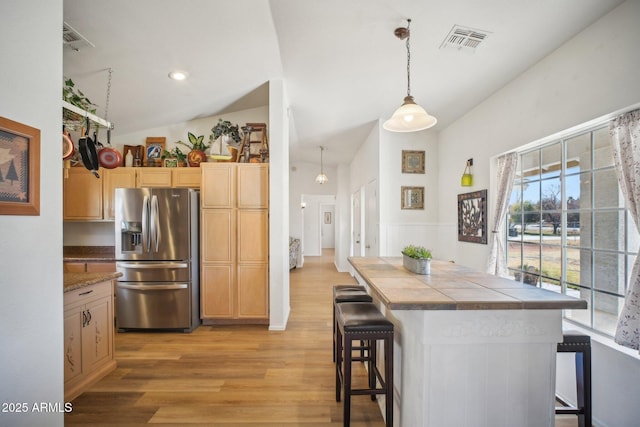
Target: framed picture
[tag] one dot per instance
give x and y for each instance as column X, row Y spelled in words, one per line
column 19, row 168
column 170, row 163
column 154, row 149
column 472, row 217
column 327, row 217
column 412, row 197
column 412, row 161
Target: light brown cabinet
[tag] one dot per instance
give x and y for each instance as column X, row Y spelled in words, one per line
column 234, row 243
column 88, row 337
column 87, row 198
column 89, row 267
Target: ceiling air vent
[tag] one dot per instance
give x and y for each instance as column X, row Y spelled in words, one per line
column 73, row 39
column 464, row 38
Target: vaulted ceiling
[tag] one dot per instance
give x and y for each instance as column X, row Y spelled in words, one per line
column 342, row 66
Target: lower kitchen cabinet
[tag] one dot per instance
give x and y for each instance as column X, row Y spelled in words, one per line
column 88, row 337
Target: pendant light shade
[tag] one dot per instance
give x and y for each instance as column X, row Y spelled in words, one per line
column 410, row 117
column 321, row 178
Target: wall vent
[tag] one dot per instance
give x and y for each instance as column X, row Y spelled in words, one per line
column 464, row 38
column 73, row 39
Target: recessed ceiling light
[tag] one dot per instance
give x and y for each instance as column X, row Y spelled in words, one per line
column 178, row 75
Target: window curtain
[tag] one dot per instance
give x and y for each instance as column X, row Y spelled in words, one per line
column 497, row 262
column 625, row 139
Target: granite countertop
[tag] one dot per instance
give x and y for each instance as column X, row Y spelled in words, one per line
column 453, row 287
column 73, row 281
column 89, row 254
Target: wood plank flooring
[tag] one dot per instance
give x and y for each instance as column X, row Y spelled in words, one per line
column 241, row 376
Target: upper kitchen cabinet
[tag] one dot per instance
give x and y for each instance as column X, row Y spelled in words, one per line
column 82, row 195
column 218, row 189
column 87, row 198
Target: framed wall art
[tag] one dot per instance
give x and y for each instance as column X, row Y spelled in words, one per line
column 412, row 161
column 412, row 197
column 19, row 168
column 154, row 149
column 327, row 217
column 472, row 217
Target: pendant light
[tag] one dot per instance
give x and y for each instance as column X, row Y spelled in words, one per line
column 410, row 117
column 321, row 178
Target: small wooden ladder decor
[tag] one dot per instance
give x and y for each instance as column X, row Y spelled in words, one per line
column 245, row 155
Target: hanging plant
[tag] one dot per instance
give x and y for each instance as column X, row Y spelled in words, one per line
column 75, row 97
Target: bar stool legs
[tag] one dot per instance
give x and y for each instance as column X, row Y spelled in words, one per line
column 362, row 321
column 579, row 344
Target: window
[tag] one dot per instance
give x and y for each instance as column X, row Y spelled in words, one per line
column 568, row 228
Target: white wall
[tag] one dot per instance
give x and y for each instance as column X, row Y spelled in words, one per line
column 31, row 321
column 279, row 306
column 593, row 74
column 400, row 227
column 343, row 219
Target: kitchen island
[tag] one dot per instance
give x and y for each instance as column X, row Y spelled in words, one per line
column 471, row 349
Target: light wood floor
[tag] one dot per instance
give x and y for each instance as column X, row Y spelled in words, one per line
column 237, row 376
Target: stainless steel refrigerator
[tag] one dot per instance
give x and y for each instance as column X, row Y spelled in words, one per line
column 157, row 254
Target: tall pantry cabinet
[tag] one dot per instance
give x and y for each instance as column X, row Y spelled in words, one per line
column 234, row 243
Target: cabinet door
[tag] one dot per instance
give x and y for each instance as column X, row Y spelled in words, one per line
column 97, row 334
column 72, row 342
column 216, row 291
column 217, row 236
column 253, row 241
column 154, row 177
column 82, row 196
column 253, row 185
column 217, row 189
column 112, row 179
column 186, row 177
column 253, row 291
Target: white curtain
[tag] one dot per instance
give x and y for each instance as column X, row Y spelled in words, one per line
column 625, row 139
column 497, row 262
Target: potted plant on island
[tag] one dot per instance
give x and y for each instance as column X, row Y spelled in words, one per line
column 417, row 259
column 226, row 132
column 197, row 154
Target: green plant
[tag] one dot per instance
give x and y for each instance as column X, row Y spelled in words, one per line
column 75, row 97
column 224, row 127
column 175, row 153
column 195, row 142
column 417, row 252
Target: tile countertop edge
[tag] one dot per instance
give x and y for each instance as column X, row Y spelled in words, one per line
column 547, row 300
column 74, row 281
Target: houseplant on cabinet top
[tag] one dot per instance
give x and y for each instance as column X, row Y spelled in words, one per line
column 416, row 259
column 226, row 132
column 197, row 154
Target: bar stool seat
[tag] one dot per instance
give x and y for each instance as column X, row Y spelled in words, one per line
column 580, row 344
column 363, row 321
column 348, row 293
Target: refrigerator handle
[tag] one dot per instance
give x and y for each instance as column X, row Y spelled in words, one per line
column 155, row 223
column 146, row 241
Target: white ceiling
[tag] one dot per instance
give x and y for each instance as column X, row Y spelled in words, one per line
column 342, row 66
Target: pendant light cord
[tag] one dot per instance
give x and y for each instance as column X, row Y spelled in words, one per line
column 408, row 58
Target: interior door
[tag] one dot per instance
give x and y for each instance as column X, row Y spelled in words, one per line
column 371, row 219
column 356, row 231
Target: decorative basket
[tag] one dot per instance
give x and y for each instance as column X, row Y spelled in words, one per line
column 417, row 266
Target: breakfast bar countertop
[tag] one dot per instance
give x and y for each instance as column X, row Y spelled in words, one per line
column 453, row 287
column 73, row 281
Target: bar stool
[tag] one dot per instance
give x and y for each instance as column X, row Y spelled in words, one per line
column 348, row 293
column 363, row 321
column 580, row 344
